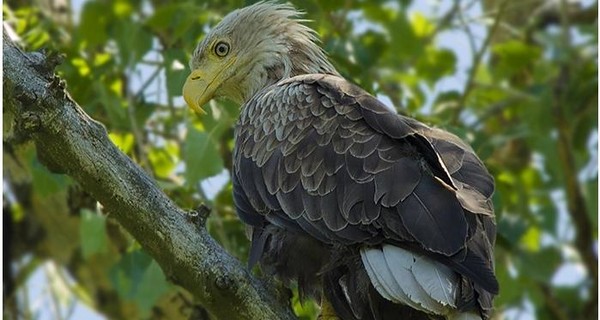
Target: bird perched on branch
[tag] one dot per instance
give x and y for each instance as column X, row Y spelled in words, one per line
column 379, row 215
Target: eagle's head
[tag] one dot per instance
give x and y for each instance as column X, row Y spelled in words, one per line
column 249, row 49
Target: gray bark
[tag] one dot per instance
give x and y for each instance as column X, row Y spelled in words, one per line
column 68, row 141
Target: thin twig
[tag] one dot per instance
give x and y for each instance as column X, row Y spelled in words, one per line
column 476, row 61
column 470, row 36
column 148, row 82
column 445, row 20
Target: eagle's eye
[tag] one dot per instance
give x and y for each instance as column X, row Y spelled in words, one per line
column 221, row 49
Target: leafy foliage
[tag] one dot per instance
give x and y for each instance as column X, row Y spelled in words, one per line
column 525, row 97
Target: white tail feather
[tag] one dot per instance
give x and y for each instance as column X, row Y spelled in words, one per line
column 437, row 280
column 404, row 277
column 381, row 277
column 401, row 262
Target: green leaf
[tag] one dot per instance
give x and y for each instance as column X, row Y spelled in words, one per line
column 174, row 19
column 404, row 42
column 531, row 239
column 511, row 288
column 152, row 286
column 127, row 274
column 124, row 8
column 82, row 66
column 176, row 71
column 369, row 48
column 545, row 262
column 92, row 231
column 421, row 25
column 113, row 105
column 512, row 228
column 514, row 57
column 133, row 41
column 95, row 17
column 46, row 183
column 435, row 63
column 164, row 159
column 123, row 141
column 202, row 158
column 375, row 11
column 138, row 278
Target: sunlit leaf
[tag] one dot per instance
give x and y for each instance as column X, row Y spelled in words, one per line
column 531, row 239
column 164, row 159
column 201, row 156
column 100, row 59
column 122, row 141
column 82, row 66
column 122, row 8
column 421, row 25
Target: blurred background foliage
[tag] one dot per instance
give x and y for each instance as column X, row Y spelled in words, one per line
column 516, row 79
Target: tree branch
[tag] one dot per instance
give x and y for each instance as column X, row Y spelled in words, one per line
column 68, row 141
column 584, row 237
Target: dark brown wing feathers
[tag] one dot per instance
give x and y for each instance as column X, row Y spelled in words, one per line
column 324, row 156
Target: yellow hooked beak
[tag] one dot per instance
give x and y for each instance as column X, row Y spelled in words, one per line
column 201, row 85
column 198, row 90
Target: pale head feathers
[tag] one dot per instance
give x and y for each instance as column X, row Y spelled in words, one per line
column 269, row 43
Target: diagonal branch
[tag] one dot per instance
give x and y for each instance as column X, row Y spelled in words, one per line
column 68, row 141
